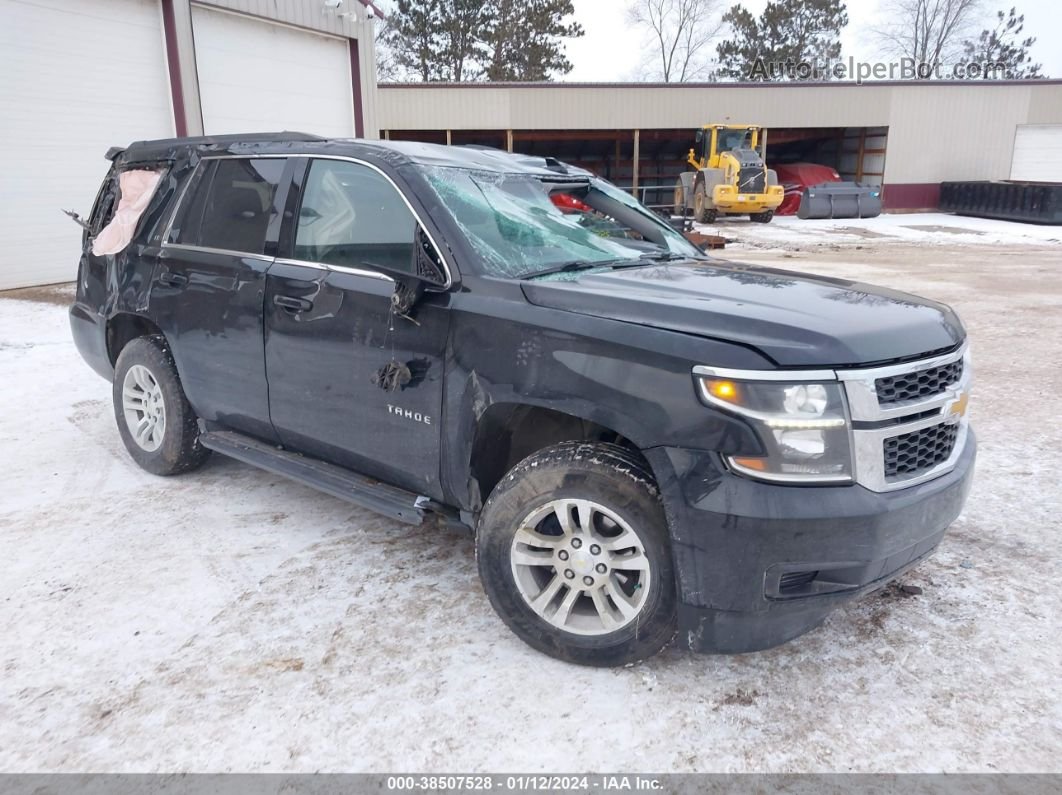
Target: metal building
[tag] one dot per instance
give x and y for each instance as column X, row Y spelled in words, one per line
column 80, row 76
column 907, row 136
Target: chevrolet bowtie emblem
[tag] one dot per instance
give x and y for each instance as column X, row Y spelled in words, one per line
column 960, row 404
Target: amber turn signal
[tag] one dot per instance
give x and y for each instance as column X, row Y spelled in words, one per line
column 722, row 389
column 757, row 464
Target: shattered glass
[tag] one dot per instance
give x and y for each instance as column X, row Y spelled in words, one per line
column 510, row 221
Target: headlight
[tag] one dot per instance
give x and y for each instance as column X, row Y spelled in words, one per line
column 803, row 426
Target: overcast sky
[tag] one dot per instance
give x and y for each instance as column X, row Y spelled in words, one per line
column 612, row 50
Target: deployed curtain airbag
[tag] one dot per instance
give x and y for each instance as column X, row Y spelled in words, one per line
column 137, row 188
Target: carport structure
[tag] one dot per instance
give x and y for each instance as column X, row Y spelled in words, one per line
column 648, row 161
column 905, row 136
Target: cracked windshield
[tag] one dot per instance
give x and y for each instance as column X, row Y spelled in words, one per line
column 522, row 227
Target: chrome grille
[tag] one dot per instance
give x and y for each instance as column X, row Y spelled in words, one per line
column 918, row 384
column 917, row 451
column 909, row 422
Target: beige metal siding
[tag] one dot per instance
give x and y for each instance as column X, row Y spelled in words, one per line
column 1045, row 107
column 369, row 95
column 953, row 132
column 935, row 131
column 446, row 108
column 309, row 14
column 607, row 107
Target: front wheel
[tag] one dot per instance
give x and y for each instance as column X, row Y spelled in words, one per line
column 573, row 554
column 157, row 424
column 762, row 218
column 702, row 213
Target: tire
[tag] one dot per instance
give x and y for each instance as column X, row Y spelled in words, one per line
column 762, row 218
column 577, row 579
column 702, row 214
column 148, row 397
column 679, row 199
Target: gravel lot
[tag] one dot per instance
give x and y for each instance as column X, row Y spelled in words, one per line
column 229, row 620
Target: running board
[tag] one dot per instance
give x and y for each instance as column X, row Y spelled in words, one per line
column 405, row 506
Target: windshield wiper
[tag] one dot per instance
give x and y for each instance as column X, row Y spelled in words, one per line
column 616, row 264
column 574, row 265
column 662, row 256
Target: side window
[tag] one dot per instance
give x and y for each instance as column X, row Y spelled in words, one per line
column 230, row 205
column 352, row 216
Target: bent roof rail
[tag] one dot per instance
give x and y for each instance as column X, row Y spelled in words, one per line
column 395, row 153
column 161, row 148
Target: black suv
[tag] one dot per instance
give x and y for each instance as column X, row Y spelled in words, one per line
column 644, row 440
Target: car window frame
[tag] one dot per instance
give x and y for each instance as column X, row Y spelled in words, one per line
column 279, row 201
column 287, row 238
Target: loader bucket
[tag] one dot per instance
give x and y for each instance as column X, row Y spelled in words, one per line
column 840, row 200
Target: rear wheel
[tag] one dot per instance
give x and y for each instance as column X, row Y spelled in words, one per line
column 679, row 199
column 156, row 423
column 573, row 553
column 762, row 218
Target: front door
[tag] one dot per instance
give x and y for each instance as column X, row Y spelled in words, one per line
column 209, row 284
column 350, row 381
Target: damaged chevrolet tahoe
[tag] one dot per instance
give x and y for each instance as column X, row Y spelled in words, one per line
column 645, row 441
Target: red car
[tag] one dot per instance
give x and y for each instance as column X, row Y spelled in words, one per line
column 796, row 177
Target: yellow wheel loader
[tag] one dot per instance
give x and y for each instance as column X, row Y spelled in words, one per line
column 730, row 176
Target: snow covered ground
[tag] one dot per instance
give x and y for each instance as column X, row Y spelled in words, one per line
column 934, row 229
column 229, row 620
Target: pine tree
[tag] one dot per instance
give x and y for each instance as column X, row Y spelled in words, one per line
column 790, row 41
column 463, row 40
column 413, row 38
column 1004, row 46
column 463, row 28
column 525, row 39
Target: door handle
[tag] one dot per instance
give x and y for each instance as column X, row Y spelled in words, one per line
column 171, row 279
column 293, row 304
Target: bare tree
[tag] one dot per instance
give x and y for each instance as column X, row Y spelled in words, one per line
column 928, row 31
column 682, row 32
column 387, row 70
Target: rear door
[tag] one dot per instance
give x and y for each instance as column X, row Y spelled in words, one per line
column 209, row 285
column 330, row 333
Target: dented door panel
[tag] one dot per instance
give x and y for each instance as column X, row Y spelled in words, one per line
column 328, row 341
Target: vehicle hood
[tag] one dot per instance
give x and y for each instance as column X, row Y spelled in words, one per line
column 795, row 319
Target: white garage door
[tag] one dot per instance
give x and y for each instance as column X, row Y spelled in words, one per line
column 256, row 76
column 1037, row 153
column 76, row 77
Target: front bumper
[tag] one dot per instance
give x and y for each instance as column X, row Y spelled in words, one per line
column 727, row 199
column 758, row 564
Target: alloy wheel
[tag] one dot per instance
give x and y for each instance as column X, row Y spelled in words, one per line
column 144, row 408
column 580, row 567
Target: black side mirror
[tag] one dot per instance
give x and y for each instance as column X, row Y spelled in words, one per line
column 700, row 136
